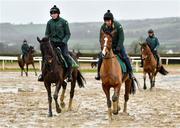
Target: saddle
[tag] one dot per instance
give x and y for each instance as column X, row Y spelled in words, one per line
column 63, row 61
column 122, row 64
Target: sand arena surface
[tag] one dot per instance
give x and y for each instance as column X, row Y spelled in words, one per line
column 23, row 104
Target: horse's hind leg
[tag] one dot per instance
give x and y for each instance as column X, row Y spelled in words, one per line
column 107, row 92
column 127, row 92
column 62, row 95
column 58, row 86
column 115, row 99
column 73, row 85
column 48, row 88
column 34, row 69
column 144, row 77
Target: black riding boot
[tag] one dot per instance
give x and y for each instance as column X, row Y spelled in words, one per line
column 98, row 69
column 158, row 60
column 131, row 75
column 69, row 74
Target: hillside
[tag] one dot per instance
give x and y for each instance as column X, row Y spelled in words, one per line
column 85, row 35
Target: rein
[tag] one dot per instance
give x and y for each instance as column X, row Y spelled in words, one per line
column 109, row 57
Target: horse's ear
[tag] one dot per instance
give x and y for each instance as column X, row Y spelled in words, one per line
column 38, row 39
column 140, row 43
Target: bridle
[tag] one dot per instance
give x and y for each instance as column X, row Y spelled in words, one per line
column 104, row 52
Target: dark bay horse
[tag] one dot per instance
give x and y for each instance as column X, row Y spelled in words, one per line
column 150, row 65
column 54, row 72
column 112, row 77
column 28, row 59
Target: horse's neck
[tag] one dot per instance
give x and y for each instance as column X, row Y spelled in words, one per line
column 151, row 58
column 109, row 61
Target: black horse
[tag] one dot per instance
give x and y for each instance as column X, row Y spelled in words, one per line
column 53, row 71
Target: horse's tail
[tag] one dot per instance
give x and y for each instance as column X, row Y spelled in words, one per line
column 80, row 79
column 133, row 85
column 163, row 71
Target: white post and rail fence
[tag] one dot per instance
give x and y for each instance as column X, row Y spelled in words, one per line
column 135, row 60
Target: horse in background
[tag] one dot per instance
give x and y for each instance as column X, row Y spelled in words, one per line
column 27, row 60
column 150, row 65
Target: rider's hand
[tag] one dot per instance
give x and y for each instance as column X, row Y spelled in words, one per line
column 62, row 44
column 118, row 49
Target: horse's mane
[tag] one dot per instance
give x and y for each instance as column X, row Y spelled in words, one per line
column 108, row 33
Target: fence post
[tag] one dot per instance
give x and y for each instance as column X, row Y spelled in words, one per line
column 3, row 64
column 167, row 60
column 40, row 63
column 137, row 67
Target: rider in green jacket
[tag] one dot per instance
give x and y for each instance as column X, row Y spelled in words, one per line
column 57, row 30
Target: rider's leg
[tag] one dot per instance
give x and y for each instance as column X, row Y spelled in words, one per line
column 99, row 67
column 65, row 53
column 157, row 57
column 127, row 62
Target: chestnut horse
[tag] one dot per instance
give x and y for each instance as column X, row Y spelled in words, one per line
column 28, row 59
column 112, row 76
column 53, row 72
column 150, row 65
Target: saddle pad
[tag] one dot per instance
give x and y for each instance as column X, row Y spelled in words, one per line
column 61, row 58
column 122, row 64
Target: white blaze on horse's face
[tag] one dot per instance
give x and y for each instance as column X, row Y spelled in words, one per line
column 105, row 46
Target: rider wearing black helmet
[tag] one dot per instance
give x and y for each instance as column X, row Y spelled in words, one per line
column 57, row 30
column 110, row 25
column 153, row 43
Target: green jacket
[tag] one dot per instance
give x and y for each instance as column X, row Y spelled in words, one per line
column 118, row 38
column 153, row 42
column 25, row 49
column 58, row 31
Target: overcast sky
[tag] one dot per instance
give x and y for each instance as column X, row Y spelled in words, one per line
column 37, row 11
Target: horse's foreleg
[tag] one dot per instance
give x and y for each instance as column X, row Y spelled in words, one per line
column 127, row 92
column 62, row 95
column 34, row 69
column 26, row 69
column 144, row 77
column 73, row 85
column 115, row 99
column 151, row 80
column 58, row 86
column 107, row 92
column 48, row 88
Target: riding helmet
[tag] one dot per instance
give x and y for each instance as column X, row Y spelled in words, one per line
column 54, row 9
column 150, row 31
column 108, row 16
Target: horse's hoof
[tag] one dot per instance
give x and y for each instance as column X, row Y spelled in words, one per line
column 119, row 108
column 62, row 104
column 115, row 113
column 69, row 109
column 50, row 115
column 58, row 110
